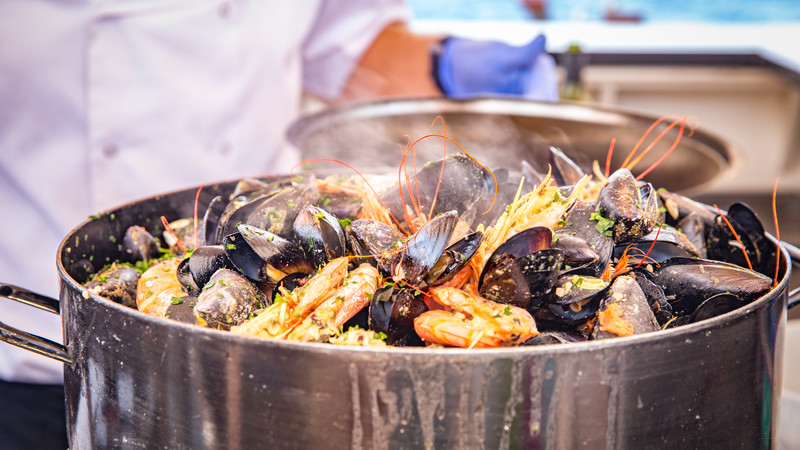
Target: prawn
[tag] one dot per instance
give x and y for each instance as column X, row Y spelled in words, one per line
column 325, row 321
column 291, row 308
column 157, row 287
column 470, row 320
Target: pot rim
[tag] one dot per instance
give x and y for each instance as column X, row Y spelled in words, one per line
column 707, row 325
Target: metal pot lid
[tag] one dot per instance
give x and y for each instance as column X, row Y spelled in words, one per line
column 503, row 132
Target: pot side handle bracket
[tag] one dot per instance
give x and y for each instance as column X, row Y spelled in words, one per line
column 794, row 254
column 26, row 340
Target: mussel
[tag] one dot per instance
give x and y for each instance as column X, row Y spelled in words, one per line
column 227, row 300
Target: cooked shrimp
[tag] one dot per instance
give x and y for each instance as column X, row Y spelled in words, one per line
column 158, row 286
column 473, row 321
column 324, row 322
column 292, row 307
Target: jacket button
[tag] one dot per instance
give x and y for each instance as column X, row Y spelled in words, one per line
column 110, row 150
column 224, row 10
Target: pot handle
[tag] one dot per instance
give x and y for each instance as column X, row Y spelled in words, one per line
column 29, row 341
column 794, row 253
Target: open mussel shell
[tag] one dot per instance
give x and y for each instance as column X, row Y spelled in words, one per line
column 196, row 270
column 319, row 234
column 624, row 311
column 687, row 282
column 263, row 256
column 422, row 250
column 723, row 245
column 716, row 305
column 661, row 308
column 583, row 245
column 453, row 259
column 572, row 315
column 527, row 282
column 227, row 300
column 392, row 311
column 659, row 245
column 573, row 288
column 523, row 270
column 565, row 170
column 289, row 282
column 621, row 201
column 139, row 244
column 465, row 186
column 376, row 241
column 207, row 228
column 117, row 283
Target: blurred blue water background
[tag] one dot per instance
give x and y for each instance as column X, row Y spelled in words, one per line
column 715, row 11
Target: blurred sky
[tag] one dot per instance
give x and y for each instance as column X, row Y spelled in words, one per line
column 717, row 11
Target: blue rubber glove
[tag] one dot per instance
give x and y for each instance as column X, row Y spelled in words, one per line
column 466, row 68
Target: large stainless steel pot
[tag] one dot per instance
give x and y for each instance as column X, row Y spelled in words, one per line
column 502, row 132
column 134, row 380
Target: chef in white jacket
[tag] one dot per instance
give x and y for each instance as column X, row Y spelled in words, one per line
column 105, row 102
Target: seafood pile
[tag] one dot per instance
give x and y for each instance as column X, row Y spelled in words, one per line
column 452, row 255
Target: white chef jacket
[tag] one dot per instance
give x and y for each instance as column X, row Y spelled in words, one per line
column 106, row 102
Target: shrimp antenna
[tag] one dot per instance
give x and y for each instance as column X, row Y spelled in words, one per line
column 735, row 235
column 291, row 174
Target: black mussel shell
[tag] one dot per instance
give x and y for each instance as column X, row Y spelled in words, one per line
column 716, row 305
column 319, row 234
column 527, row 282
column 375, row 240
column 196, row 270
column 679, row 207
column 263, row 256
column 571, row 315
column 520, row 272
column 392, row 311
column 453, row 259
column 182, row 309
column 694, row 228
column 236, row 212
column 554, row 337
column 531, row 175
column 571, row 288
column 565, row 170
column 227, row 300
column 626, row 295
column 278, row 212
column 659, row 245
column 343, row 206
column 465, row 186
column 661, row 308
column 584, row 246
column 422, row 250
column 207, row 229
column 688, row 282
column 139, row 244
column 722, row 245
column 254, row 187
column 621, row 202
column 760, row 250
column 116, row 283
column 289, row 282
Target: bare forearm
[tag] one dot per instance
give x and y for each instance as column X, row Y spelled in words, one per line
column 398, row 64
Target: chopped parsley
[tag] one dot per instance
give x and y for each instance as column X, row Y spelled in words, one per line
column 603, row 226
column 345, row 222
column 176, row 300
